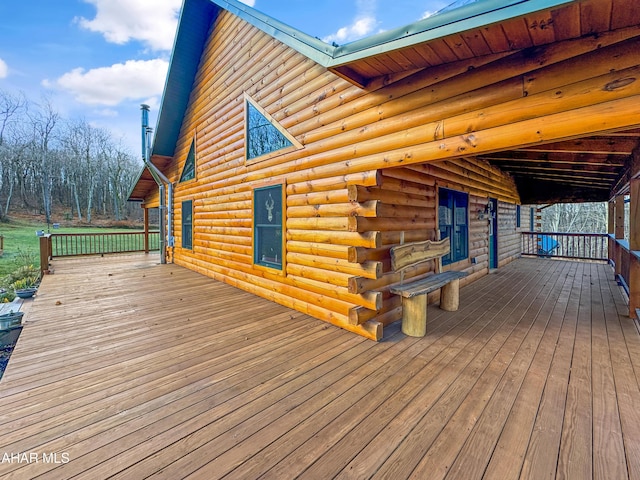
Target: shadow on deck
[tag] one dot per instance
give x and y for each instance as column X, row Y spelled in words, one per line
column 133, row 369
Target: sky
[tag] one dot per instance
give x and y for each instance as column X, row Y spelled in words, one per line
column 100, row 59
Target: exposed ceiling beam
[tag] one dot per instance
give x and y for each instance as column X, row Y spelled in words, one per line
column 602, row 146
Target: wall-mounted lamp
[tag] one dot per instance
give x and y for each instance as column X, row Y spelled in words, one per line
column 483, row 214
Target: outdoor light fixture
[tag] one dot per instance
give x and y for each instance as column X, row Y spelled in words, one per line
column 483, row 213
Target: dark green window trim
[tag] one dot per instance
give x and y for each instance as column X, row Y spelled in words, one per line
column 453, row 222
column 187, row 224
column 263, row 137
column 267, row 226
column 189, row 169
column 532, row 216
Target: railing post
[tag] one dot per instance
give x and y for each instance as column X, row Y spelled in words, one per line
column 146, row 230
column 45, row 253
column 634, row 246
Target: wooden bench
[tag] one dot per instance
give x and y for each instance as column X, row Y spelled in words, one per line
column 414, row 294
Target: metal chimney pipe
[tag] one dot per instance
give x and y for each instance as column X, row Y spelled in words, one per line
column 145, row 124
column 160, row 180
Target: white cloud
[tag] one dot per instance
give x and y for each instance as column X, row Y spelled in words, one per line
column 251, row 3
column 106, row 112
column 151, row 21
column 4, row 69
column 133, row 80
column 363, row 24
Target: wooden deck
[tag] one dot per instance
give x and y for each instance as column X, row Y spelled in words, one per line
column 128, row 369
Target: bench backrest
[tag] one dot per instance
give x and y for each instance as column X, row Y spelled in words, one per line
column 410, row 254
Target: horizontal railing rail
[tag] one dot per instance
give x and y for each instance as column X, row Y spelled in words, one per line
column 75, row 244
column 580, row 246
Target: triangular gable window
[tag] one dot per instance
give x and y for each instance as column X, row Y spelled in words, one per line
column 189, row 170
column 264, row 135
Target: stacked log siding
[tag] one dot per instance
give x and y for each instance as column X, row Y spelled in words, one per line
column 372, row 161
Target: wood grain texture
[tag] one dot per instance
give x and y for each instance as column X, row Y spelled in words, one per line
column 409, row 255
column 140, row 370
column 372, row 159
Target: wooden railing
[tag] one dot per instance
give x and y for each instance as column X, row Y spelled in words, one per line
column 75, row 244
column 72, row 244
column 625, row 261
column 583, row 246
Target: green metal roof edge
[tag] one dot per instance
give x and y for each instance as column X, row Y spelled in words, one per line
column 473, row 16
column 311, row 47
column 468, row 17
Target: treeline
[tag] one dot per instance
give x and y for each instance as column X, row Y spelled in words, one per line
column 575, row 218
column 51, row 163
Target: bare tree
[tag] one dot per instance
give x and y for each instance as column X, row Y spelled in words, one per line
column 11, row 106
column 575, row 218
column 47, row 160
column 44, row 118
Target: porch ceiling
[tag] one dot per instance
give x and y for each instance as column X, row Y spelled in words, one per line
column 146, row 184
column 584, row 169
column 401, row 51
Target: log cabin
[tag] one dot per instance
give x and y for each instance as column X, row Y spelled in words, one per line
column 292, row 166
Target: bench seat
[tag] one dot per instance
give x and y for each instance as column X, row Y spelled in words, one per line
column 426, row 285
column 414, row 299
column 414, row 293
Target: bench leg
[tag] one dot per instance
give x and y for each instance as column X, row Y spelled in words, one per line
column 450, row 296
column 414, row 316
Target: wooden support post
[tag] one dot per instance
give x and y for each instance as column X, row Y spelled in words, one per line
column 414, row 315
column 619, row 225
column 611, row 228
column 634, row 212
column 45, row 253
column 611, row 218
column 619, row 232
column 450, row 296
column 146, row 229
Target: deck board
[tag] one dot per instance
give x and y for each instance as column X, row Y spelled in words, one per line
column 134, row 370
column 628, row 394
column 576, row 452
column 608, row 445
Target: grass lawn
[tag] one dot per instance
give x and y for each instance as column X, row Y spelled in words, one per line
column 21, row 244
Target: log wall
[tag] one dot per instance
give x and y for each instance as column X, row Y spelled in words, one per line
column 371, row 163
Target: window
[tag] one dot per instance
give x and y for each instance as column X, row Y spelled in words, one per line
column 189, row 169
column 453, row 223
column 532, row 215
column 264, row 135
column 518, row 216
column 267, row 226
column 187, row 224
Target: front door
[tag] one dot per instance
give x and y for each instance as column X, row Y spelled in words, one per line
column 493, row 233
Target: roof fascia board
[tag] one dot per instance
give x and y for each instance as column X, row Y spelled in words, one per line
column 457, row 21
column 195, row 20
column 311, row 47
column 134, row 185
